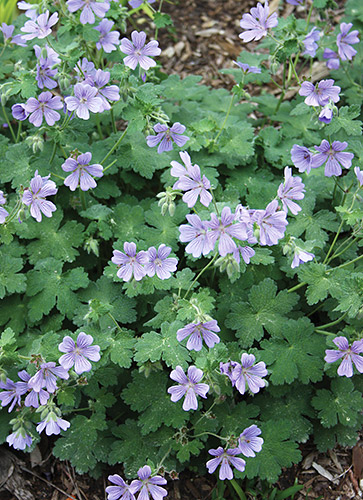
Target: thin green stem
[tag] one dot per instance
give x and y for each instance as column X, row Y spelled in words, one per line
column 14, row 212
column 296, row 287
column 206, row 413
column 324, row 332
column 210, row 434
column 238, row 489
column 9, row 123
column 294, row 69
column 114, row 320
column 198, row 275
column 83, row 199
column 345, row 264
column 98, row 125
column 53, row 152
column 115, row 146
column 114, row 128
column 332, row 323
column 308, row 18
column 333, row 242
column 225, row 119
column 19, row 131
column 283, row 89
column 162, row 460
column 335, row 255
column 109, row 166
column 58, row 176
column 67, row 119
column 63, row 152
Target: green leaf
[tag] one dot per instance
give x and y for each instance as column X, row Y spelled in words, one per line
column 122, row 349
column 319, row 282
column 348, row 290
column 21, row 171
column 7, row 338
column 297, row 354
column 186, row 449
column 11, row 280
column 161, row 20
column 345, row 120
column 341, row 404
column 265, row 309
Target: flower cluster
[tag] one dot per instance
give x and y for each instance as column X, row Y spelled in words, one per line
column 82, row 172
column 146, row 485
column 350, row 355
column 139, row 264
column 246, row 374
column 344, row 42
column 324, row 94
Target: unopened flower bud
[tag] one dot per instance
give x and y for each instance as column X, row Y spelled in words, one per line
column 36, row 142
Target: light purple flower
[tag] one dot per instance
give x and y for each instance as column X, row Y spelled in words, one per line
column 45, row 73
column 51, row 55
column 225, row 458
column 250, row 374
column 224, row 229
column 291, row 189
column 3, row 213
column 166, row 135
column 195, row 186
column 249, row 443
column 52, row 424
column 303, row 158
column 47, row 377
column 228, row 369
column 19, row 439
column 82, row 172
column 359, row 174
column 188, row 387
column 86, row 71
column 345, row 40
column 78, row 352
column 89, row 8
column 12, row 393
column 108, row 39
column 321, row 93
column 43, row 106
column 122, row 491
column 137, row 52
column 348, row 353
column 19, row 112
column 333, row 156
column 199, row 332
column 246, row 68
column 33, row 398
column 160, row 263
column 149, row 485
column 310, row 43
column 179, row 170
column 136, row 3
column 111, row 92
column 326, row 114
column 84, row 100
column 257, row 23
column 31, row 10
column 300, row 257
column 8, row 31
column 333, row 61
column 244, row 215
column 198, row 236
column 245, row 252
column 40, row 188
column 271, row 222
column 40, row 27
column 130, row 262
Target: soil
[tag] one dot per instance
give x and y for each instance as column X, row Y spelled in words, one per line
column 203, row 41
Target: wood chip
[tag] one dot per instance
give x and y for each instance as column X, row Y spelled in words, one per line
column 325, row 473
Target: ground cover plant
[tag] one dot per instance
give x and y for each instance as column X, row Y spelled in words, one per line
column 181, row 268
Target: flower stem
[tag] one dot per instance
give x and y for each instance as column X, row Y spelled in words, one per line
column 201, row 272
column 238, row 489
column 113, row 319
column 345, row 264
column 332, row 323
column 225, row 119
column 323, row 332
column 9, row 124
column 296, row 287
column 333, row 242
column 109, row 166
column 83, row 199
column 115, row 146
column 210, row 434
column 114, row 128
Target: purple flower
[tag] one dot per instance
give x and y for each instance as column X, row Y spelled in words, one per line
column 166, row 136
column 84, row 100
column 19, row 112
column 333, row 61
column 303, row 158
column 245, row 252
column 295, row 2
column 272, row 223
column 257, row 23
column 137, row 52
column 160, row 263
column 12, row 393
column 108, row 39
column 249, row 443
column 194, row 185
column 7, row 31
column 31, row 11
column 52, row 424
column 333, row 156
column 33, row 398
column 40, row 27
column 359, row 174
column 300, row 257
column 111, row 92
column 188, row 387
column 196, row 233
column 123, row 490
column 247, row 373
column 51, row 55
column 81, row 172
column 149, row 485
column 321, row 93
column 224, row 229
column 19, row 439
column 90, row 8
column 291, row 189
column 197, row 331
column 45, row 73
column 77, row 352
column 310, row 43
column 345, row 40
column 246, row 68
column 326, row 114
column 179, row 170
column 225, row 458
column 349, row 355
column 40, row 188
column 85, row 71
column 47, row 376
column 136, row 3
column 43, row 106
column 130, row 262
column 244, row 215
column 227, row 369
column 3, row 213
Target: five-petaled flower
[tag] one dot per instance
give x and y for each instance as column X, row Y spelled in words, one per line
column 43, row 106
column 345, row 40
column 195, row 186
column 197, row 234
column 82, row 172
column 130, row 263
column 52, row 424
column 19, row 439
column 271, row 222
column 291, row 189
column 225, row 458
column 257, row 23
column 321, row 93
column 40, row 27
column 89, row 8
column 249, row 442
column 108, row 39
column 348, row 353
column 122, row 490
column 334, row 157
column 188, row 386
column 47, row 377
column 246, row 373
column 84, row 100
column 166, row 136
column 78, row 352
column 199, row 332
column 40, row 188
column 160, row 263
column 303, row 158
column 149, row 485
column 139, row 53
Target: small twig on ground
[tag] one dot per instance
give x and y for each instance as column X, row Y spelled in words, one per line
column 46, row 481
